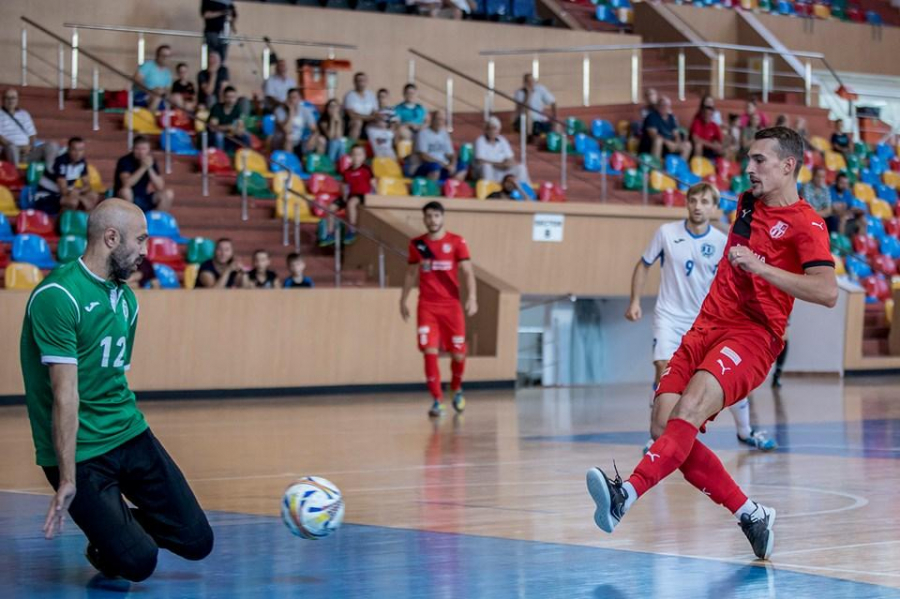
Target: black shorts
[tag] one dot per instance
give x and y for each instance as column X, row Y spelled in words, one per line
column 342, row 203
column 166, row 513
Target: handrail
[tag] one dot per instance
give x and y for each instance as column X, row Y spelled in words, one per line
column 195, row 34
column 193, row 115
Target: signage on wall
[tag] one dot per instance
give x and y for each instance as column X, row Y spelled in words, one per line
column 548, row 227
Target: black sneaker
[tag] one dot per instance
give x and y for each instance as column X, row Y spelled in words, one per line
column 776, row 380
column 93, row 556
column 758, row 529
column 609, row 496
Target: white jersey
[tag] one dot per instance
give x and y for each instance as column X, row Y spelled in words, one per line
column 689, row 264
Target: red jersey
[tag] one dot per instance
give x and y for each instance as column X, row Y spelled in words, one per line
column 706, row 131
column 792, row 238
column 359, row 180
column 439, row 266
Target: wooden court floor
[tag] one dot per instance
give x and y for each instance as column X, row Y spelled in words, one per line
column 505, row 483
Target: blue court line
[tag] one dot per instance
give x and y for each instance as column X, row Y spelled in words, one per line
column 876, row 438
column 263, row 560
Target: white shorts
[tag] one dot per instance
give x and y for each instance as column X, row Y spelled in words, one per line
column 667, row 338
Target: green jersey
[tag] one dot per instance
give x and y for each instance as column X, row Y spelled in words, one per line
column 75, row 317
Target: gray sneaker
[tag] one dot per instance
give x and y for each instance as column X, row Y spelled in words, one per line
column 609, row 496
column 758, row 529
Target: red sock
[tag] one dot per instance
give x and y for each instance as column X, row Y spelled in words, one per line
column 457, row 368
column 704, row 470
column 665, row 455
column 433, row 376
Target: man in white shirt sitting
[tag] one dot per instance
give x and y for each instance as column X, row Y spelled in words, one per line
column 277, row 86
column 360, row 106
column 434, row 151
column 538, row 98
column 18, row 136
column 494, row 158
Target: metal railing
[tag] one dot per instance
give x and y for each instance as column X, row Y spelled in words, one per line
column 204, row 51
column 644, row 166
column 717, row 68
column 382, row 246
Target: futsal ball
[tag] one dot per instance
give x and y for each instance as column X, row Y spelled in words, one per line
column 312, row 508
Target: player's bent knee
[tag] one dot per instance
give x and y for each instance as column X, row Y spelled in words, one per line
column 458, row 357
column 139, row 563
column 198, row 545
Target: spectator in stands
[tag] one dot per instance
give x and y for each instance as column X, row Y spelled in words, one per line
column 211, row 81
column 840, row 141
column 219, row 18
column 651, row 99
column 494, row 158
column 65, row 185
column 434, row 149
column 782, row 120
column 297, row 267
column 358, row 182
column 856, row 223
column 705, row 134
column 183, row 92
column 156, row 76
column 381, row 137
column 144, row 277
column 748, row 133
column 411, row 113
column 731, row 137
column 294, row 124
column 360, row 106
column 708, row 100
column 137, row 179
column 661, row 133
column 840, row 191
column 18, row 136
column 751, row 109
column 511, row 190
column 538, row 99
column 330, row 131
column 818, row 195
column 223, row 271
column 226, row 121
column 260, row 277
column 277, row 86
column 385, row 108
column 802, row 130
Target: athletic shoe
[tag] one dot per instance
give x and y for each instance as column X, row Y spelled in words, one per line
column 459, row 402
column 758, row 529
column 609, row 496
column 776, row 380
column 327, row 241
column 759, row 440
column 437, row 409
column 93, row 556
column 349, row 238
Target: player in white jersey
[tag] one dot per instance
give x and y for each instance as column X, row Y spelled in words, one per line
column 689, row 252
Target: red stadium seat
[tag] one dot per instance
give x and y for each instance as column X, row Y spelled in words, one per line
column 458, row 189
column 673, row 197
column 865, row 244
column 551, row 192
column 323, row 201
column 726, row 169
column 10, row 177
column 884, row 265
column 165, row 251
column 219, row 162
column 894, row 164
column 322, row 183
column 36, row 222
column 876, row 286
column 620, row 161
column 343, row 164
column 892, row 226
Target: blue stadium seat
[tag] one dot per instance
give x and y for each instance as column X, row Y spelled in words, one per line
column 605, row 14
column 180, row 142
column 167, row 277
column 857, row 204
column 268, row 125
column 857, row 266
column 873, row 18
column 889, row 246
column 676, row 166
column 529, row 190
column 867, row 176
column 6, row 232
column 496, row 7
column 523, row 9
column 26, row 197
column 288, row 159
column 875, row 228
column 877, row 165
column 886, row 193
column 32, row 249
column 728, row 202
column 619, row 4
column 885, row 152
column 163, row 224
column 585, row 143
column 602, row 129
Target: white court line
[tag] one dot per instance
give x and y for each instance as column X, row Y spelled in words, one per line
column 858, row 500
column 837, row 547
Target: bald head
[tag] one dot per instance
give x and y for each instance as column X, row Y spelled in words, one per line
column 117, row 237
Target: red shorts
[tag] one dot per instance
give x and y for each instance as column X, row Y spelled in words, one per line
column 739, row 359
column 441, row 326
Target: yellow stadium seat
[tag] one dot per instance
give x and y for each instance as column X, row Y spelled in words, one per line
column 748, row 4
column 280, row 178
column 8, row 202
column 838, row 265
column 805, row 175
column 821, row 11
column 404, row 148
column 662, row 182
column 863, row 191
column 891, row 179
column 386, row 167
column 623, row 127
column 820, row 143
column 702, row 167
column 190, row 275
column 634, row 145
column 390, row 186
column 20, row 275
column 142, row 121
column 881, row 209
column 95, row 180
column 889, row 310
column 295, row 203
column 484, row 188
column 200, row 121
column 256, row 162
column 835, row 161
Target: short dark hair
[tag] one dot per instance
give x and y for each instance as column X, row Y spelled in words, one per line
column 357, row 74
column 433, row 205
column 409, row 86
column 75, row 140
column 229, row 88
column 223, row 240
column 260, row 251
column 293, row 257
column 140, row 139
column 818, row 169
column 161, row 48
column 180, row 64
column 293, row 89
column 790, row 144
column 841, row 175
column 384, row 89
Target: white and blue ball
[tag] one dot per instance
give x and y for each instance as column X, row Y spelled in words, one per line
column 312, row 508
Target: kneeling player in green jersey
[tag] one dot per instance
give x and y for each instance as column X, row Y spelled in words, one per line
column 90, row 438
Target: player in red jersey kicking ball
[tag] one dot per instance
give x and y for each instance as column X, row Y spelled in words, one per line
column 777, row 250
column 436, row 257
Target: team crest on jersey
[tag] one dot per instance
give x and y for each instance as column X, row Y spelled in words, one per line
column 446, row 248
column 778, row 231
column 707, row 250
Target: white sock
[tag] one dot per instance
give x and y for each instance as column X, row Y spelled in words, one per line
column 631, row 494
column 741, row 413
column 748, row 508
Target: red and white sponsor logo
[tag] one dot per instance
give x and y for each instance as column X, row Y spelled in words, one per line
column 778, row 230
column 441, row 265
column 447, row 248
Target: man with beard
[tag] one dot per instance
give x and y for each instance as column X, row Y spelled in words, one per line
column 90, row 439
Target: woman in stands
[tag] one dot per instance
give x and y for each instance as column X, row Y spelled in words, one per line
column 330, row 131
